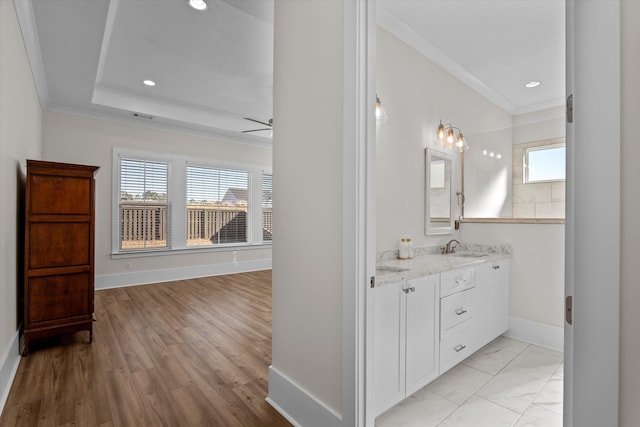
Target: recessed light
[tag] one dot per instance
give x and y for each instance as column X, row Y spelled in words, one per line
column 531, row 84
column 149, row 82
column 198, row 4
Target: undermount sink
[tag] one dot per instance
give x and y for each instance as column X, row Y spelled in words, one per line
column 469, row 254
column 384, row 269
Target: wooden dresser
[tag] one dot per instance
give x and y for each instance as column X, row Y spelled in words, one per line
column 59, row 250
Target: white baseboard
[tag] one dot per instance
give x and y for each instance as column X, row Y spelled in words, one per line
column 8, row 368
column 542, row 334
column 118, row 280
column 298, row 406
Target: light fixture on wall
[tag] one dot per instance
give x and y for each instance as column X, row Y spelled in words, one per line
column 447, row 133
column 381, row 113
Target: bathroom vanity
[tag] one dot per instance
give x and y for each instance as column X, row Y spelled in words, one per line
column 432, row 312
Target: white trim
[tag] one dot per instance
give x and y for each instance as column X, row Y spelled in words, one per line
column 358, row 241
column 298, row 406
column 532, row 332
column 119, row 280
column 26, row 19
column 8, row 369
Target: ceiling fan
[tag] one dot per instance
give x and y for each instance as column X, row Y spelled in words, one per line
column 269, row 125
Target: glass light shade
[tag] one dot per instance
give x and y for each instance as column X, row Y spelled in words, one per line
column 381, row 113
column 450, row 136
column 440, row 133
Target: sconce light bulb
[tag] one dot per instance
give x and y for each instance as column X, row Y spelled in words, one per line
column 498, row 156
column 440, row 131
column 484, row 152
column 450, row 136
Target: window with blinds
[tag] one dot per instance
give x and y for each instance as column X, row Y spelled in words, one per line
column 267, row 207
column 144, row 208
column 217, row 206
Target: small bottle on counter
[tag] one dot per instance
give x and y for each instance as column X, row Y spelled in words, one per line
column 410, row 249
column 403, row 253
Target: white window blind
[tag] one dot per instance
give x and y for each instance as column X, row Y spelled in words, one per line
column 267, row 207
column 144, row 209
column 217, row 206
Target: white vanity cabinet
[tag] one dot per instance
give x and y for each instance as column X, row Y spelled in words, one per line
column 492, row 296
column 405, row 339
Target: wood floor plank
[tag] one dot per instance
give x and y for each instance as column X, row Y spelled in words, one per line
column 189, row 353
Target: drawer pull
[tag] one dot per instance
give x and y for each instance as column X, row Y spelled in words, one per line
column 461, row 281
column 496, row 267
column 459, row 348
column 460, row 311
column 407, row 290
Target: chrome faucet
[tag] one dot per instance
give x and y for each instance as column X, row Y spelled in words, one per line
column 449, row 248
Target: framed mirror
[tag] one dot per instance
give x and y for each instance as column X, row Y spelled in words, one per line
column 439, row 192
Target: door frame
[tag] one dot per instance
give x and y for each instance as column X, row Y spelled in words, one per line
column 358, row 219
column 592, row 234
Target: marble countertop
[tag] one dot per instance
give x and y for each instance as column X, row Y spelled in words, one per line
column 395, row 270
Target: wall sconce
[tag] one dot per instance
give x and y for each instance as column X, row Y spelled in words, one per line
column 381, row 113
column 447, row 132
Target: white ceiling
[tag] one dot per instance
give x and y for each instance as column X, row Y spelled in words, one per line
column 215, row 67
column 494, row 46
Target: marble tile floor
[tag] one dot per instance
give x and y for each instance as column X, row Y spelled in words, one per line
column 506, row 383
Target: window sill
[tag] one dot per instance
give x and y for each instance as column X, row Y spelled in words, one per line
column 189, row 250
column 514, row 220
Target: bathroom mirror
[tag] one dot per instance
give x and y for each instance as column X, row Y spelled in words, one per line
column 439, row 192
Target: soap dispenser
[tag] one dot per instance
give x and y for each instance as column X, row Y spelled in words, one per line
column 403, row 253
column 410, row 249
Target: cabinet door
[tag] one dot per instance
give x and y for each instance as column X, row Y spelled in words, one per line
column 422, row 355
column 389, row 304
column 492, row 308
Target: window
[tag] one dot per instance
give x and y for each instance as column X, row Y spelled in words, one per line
column 267, row 207
column 544, row 163
column 165, row 202
column 217, row 206
column 144, row 210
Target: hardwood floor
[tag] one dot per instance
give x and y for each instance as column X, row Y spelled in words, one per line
column 185, row 353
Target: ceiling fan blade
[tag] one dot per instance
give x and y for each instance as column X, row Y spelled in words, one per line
column 257, row 121
column 254, row 130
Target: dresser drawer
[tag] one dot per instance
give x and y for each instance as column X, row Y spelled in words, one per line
column 457, row 346
column 455, row 309
column 456, row 280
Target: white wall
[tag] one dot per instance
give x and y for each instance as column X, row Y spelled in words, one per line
column 417, row 94
column 307, row 220
column 539, row 125
column 76, row 139
column 537, row 269
column 630, row 291
column 20, row 139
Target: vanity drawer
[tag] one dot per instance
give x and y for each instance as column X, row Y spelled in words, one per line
column 456, row 280
column 457, row 347
column 455, row 309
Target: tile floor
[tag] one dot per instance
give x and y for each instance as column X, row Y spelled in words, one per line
column 506, row 383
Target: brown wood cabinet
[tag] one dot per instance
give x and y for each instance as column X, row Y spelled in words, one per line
column 59, row 250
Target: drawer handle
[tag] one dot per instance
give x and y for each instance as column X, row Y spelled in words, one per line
column 460, row 311
column 496, row 267
column 461, row 281
column 411, row 289
column 459, row 348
